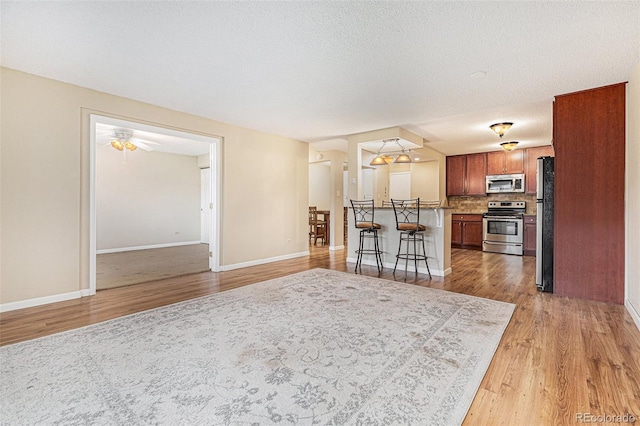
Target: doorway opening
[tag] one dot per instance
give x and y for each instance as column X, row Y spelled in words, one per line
column 151, row 201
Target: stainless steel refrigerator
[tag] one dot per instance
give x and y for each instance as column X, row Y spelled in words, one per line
column 544, row 224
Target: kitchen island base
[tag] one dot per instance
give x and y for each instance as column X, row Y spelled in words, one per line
column 437, row 240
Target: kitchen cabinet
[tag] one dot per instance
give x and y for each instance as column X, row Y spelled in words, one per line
column 456, row 174
column 589, row 207
column 466, row 174
column 505, row 162
column 466, row 231
column 531, row 156
column 529, row 232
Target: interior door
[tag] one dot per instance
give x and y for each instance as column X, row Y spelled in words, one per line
column 205, row 205
column 400, row 186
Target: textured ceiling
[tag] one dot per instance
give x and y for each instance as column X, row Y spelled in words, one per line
column 318, row 71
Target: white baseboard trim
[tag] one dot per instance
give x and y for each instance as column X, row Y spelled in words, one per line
column 87, row 292
column 263, row 261
column 421, row 270
column 152, row 246
column 29, row 303
column 632, row 311
column 336, row 248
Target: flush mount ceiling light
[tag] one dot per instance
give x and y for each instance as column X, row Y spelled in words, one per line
column 382, row 159
column 501, row 128
column 509, row 146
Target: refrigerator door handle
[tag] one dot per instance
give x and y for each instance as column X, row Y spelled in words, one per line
column 539, row 243
column 539, row 180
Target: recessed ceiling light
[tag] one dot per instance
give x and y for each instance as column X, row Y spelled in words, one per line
column 478, row 74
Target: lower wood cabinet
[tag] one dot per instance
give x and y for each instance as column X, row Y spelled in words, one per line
column 529, row 235
column 466, row 231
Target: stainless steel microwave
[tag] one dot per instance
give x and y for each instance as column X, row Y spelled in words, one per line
column 500, row 184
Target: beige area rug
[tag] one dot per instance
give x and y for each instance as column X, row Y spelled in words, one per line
column 317, row 347
column 140, row 266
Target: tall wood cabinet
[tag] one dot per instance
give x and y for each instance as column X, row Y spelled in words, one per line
column 589, row 142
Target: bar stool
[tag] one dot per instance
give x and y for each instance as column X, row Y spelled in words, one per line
column 407, row 214
column 364, row 213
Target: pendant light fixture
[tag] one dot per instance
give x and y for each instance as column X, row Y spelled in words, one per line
column 382, row 159
column 403, row 158
column 378, row 160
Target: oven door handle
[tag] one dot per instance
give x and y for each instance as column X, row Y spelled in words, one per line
column 503, row 218
column 502, row 244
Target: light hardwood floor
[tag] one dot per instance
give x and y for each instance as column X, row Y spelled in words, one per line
column 558, row 357
column 139, row 266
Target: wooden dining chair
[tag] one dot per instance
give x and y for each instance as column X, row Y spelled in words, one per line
column 345, row 218
column 317, row 228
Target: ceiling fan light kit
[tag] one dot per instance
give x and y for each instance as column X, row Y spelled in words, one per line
column 117, row 144
column 123, row 138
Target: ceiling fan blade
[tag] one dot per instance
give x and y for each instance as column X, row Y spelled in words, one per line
column 136, row 140
column 142, row 145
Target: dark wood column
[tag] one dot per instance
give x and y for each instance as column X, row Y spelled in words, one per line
column 589, row 142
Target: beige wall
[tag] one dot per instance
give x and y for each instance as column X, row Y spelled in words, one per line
column 45, row 184
column 425, row 180
column 633, row 195
column 152, row 198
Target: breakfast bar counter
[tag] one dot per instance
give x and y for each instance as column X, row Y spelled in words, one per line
column 437, row 239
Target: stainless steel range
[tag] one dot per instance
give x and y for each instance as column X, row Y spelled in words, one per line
column 502, row 227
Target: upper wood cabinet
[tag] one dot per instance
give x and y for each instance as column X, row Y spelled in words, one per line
column 476, row 174
column 466, row 174
column 456, row 174
column 505, row 162
column 531, row 156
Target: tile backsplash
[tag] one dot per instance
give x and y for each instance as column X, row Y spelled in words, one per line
column 478, row 204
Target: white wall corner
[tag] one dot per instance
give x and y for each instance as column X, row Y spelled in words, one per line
column 635, row 315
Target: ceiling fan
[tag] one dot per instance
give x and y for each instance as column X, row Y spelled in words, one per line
column 123, row 138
